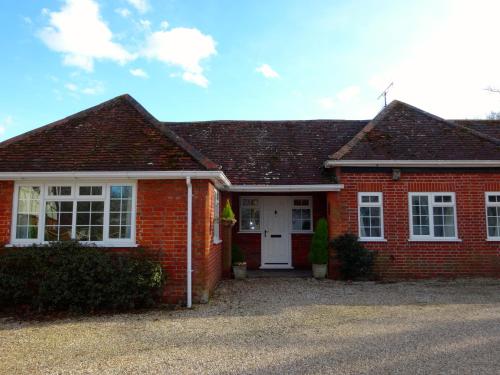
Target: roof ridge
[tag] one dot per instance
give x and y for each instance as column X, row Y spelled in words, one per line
column 170, row 134
column 62, row 121
column 345, row 149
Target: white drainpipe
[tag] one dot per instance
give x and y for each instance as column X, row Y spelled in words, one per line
column 189, row 240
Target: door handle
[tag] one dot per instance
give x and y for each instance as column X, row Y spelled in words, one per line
column 265, row 233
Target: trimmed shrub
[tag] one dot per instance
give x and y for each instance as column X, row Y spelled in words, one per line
column 356, row 262
column 319, row 244
column 67, row 276
column 237, row 255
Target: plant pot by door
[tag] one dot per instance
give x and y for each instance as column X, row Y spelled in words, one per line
column 319, row 271
column 240, row 271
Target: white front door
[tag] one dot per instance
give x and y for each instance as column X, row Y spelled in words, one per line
column 276, row 238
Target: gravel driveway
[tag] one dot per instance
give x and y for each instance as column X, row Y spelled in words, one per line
column 278, row 326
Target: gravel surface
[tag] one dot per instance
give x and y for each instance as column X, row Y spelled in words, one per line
column 278, row 326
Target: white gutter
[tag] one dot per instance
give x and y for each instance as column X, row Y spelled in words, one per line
column 284, row 188
column 414, row 163
column 189, row 241
column 136, row 175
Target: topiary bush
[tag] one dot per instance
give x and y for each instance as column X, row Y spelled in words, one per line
column 67, row 276
column 318, row 253
column 356, row 262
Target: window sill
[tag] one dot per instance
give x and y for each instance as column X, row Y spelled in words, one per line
column 372, row 240
column 89, row 244
column 497, row 239
column 249, row 232
column 216, row 242
column 434, row 240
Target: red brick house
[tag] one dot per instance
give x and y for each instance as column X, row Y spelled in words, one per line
column 422, row 191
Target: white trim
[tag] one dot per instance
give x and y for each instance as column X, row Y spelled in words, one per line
column 218, row 176
column 490, row 204
column 431, row 237
column 216, row 220
column 413, row 163
column 107, row 242
column 379, row 204
column 189, row 239
column 285, row 188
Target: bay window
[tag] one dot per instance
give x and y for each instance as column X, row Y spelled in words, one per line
column 432, row 216
column 101, row 213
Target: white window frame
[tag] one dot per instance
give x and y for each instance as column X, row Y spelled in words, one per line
column 379, row 204
column 216, row 221
column 75, row 197
column 259, row 206
column 432, row 204
column 309, row 206
column 490, row 204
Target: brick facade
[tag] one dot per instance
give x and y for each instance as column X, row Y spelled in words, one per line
column 400, row 258
column 6, row 194
column 162, row 227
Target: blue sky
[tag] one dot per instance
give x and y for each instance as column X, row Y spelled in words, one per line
column 202, row 60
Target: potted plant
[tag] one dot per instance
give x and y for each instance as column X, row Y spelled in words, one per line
column 318, row 254
column 239, row 263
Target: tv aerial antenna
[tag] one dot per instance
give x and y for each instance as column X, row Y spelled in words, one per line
column 384, row 94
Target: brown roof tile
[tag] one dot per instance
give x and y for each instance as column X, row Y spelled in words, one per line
column 117, row 135
column 403, row 132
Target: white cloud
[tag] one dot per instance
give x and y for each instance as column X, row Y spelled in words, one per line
column 145, row 24
column 124, row 12
column 27, row 20
column 71, row 87
column 267, row 71
column 164, row 25
column 7, row 121
column 347, row 94
column 184, row 48
column 139, row 73
column 327, row 102
column 90, row 88
column 79, row 33
column 447, row 70
column 141, row 5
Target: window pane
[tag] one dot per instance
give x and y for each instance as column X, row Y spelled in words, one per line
column 120, row 217
column 444, row 222
column 90, row 221
column 370, row 219
column 420, row 215
column 58, row 221
column 28, row 211
column 493, row 220
column 250, row 218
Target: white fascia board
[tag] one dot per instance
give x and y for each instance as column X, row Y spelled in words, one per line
column 414, row 163
column 284, row 188
column 216, row 176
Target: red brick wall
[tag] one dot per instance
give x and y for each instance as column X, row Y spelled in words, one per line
column 162, row 227
column 6, row 196
column 250, row 242
column 399, row 258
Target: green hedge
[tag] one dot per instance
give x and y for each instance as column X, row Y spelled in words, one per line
column 67, row 276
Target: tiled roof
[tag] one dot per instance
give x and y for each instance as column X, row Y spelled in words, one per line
column 117, row 135
column 269, row 152
column 403, row 132
column 489, row 127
